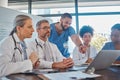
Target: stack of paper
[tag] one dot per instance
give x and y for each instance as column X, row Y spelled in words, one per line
column 69, row 75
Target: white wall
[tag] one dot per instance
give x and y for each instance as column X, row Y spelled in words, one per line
column 6, row 20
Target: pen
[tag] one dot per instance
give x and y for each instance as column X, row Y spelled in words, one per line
column 75, row 78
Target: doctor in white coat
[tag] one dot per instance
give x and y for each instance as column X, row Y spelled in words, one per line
column 49, row 54
column 86, row 33
column 14, row 57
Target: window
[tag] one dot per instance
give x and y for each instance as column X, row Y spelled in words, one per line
column 101, row 18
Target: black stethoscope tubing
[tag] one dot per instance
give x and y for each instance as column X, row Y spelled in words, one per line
column 16, row 48
column 37, row 44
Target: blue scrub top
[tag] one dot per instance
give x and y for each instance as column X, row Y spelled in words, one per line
column 60, row 39
column 110, row 46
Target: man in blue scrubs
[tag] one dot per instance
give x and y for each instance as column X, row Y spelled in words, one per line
column 60, row 32
column 115, row 43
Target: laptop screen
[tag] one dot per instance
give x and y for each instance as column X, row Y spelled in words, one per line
column 104, row 59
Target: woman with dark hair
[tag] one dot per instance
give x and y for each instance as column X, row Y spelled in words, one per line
column 115, row 40
column 86, row 33
column 14, row 55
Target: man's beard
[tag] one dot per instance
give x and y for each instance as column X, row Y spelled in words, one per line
column 47, row 35
column 62, row 27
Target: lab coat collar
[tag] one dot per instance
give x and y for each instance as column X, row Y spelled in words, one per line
column 18, row 41
column 16, row 38
column 41, row 42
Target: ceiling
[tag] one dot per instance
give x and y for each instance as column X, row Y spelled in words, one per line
column 22, row 4
column 18, row 1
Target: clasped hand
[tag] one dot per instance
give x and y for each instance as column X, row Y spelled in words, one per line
column 66, row 63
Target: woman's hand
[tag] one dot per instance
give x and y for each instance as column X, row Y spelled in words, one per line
column 34, row 59
column 82, row 49
column 89, row 60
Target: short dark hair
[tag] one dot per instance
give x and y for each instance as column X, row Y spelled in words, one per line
column 86, row 29
column 40, row 22
column 66, row 15
column 116, row 26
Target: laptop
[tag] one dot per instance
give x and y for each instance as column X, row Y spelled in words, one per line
column 103, row 60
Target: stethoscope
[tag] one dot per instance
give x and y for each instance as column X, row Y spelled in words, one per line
column 37, row 44
column 16, row 48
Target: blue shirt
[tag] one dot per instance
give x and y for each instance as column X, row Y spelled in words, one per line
column 60, row 39
column 110, row 46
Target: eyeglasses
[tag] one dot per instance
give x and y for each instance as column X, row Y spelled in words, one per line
column 45, row 28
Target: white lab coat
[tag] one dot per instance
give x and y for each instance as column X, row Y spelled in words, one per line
column 56, row 55
column 80, row 58
column 10, row 64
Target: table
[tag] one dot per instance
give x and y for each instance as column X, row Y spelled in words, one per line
column 112, row 73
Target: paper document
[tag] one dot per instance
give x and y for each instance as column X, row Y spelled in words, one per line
column 76, row 68
column 70, row 75
column 4, row 78
column 115, row 64
column 41, row 71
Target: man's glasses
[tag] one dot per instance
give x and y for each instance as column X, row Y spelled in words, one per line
column 45, row 28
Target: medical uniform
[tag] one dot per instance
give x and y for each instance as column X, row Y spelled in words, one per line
column 12, row 60
column 80, row 58
column 110, row 46
column 47, row 57
column 60, row 39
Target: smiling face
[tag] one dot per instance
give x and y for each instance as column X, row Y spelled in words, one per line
column 87, row 38
column 65, row 22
